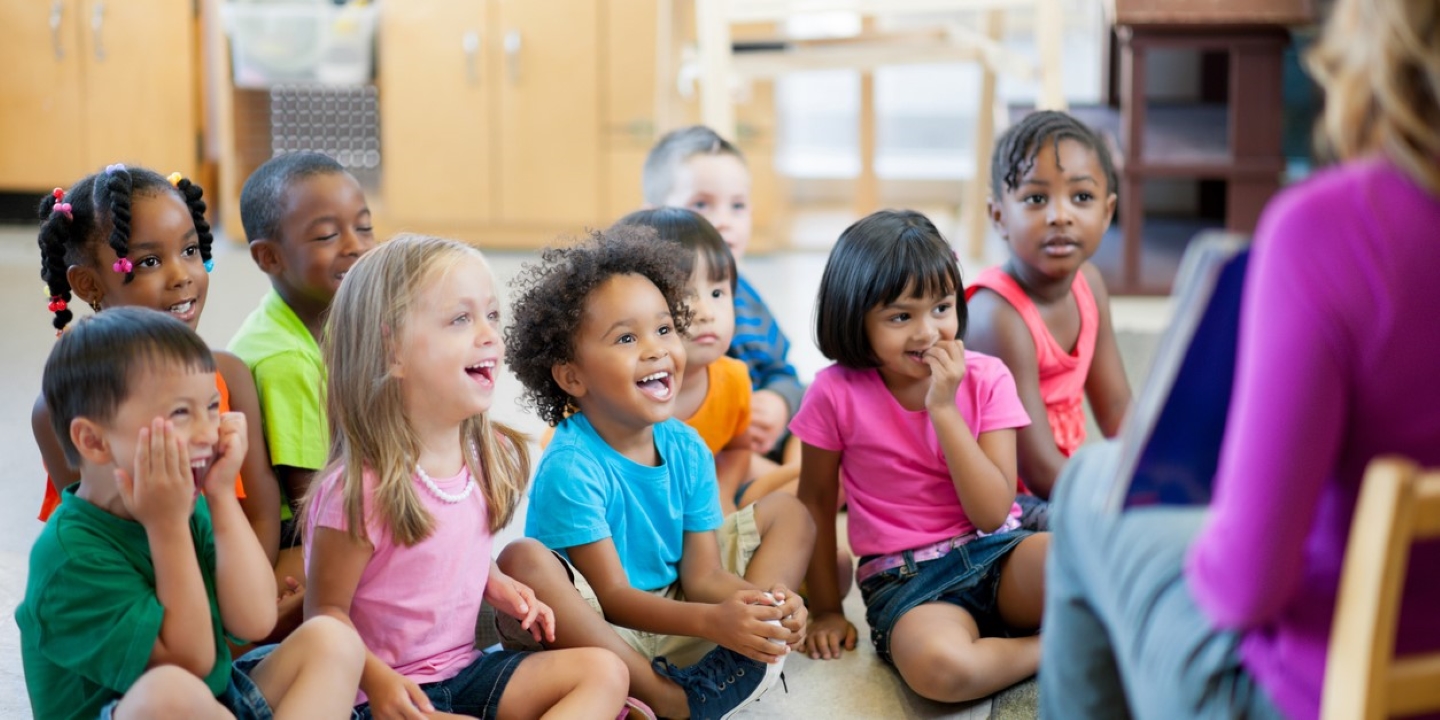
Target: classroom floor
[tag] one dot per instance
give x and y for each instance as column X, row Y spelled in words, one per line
column 856, row 686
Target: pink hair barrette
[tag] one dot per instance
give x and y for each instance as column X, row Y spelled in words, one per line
column 123, row 266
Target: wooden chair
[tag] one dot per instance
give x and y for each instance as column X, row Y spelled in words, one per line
column 945, row 42
column 1399, row 505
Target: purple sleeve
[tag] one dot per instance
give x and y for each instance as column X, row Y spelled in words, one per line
column 1293, row 379
column 817, row 423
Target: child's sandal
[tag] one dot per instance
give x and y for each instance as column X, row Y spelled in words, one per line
column 635, row 710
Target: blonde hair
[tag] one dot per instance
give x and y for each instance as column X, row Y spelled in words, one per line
column 369, row 430
column 1379, row 62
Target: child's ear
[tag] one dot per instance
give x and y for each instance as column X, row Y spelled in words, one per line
column 88, row 438
column 567, row 376
column 266, row 254
column 1110, row 201
column 85, row 283
column 996, row 211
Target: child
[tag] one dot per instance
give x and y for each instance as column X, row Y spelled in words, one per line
column 127, row 236
column 696, row 169
column 402, row 553
column 137, row 580
column 307, row 222
column 626, row 493
column 1046, row 312
column 921, row 433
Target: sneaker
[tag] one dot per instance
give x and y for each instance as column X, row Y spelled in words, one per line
column 722, row 683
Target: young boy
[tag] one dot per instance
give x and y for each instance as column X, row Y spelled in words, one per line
column 136, row 581
column 696, row 169
column 307, row 223
column 627, row 494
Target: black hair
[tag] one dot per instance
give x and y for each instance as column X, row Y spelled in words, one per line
column 1018, row 146
column 99, row 207
column 92, row 368
column 694, row 233
column 552, row 296
column 874, row 261
column 672, row 150
column 262, row 199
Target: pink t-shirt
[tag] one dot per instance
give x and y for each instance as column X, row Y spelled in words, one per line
column 415, row 607
column 891, row 464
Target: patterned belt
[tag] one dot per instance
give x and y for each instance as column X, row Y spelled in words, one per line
column 934, row 551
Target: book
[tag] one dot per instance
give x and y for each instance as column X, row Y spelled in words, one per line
column 1170, row 443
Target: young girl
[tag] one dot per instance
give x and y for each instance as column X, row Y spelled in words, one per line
column 127, row 236
column 922, row 435
column 398, row 534
column 1046, row 311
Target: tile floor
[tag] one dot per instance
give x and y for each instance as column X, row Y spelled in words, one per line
column 857, row 686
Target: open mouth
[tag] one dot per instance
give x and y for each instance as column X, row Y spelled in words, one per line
column 183, row 310
column 482, row 372
column 660, row 385
column 916, row 355
column 198, row 469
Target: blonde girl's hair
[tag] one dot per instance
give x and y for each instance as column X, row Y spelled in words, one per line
column 369, row 430
column 1379, row 62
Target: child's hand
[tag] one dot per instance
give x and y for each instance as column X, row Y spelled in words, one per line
column 742, row 623
column 229, row 455
column 830, row 633
column 947, row 368
column 395, row 697
column 796, row 615
column 162, row 488
column 767, row 420
column 516, row 599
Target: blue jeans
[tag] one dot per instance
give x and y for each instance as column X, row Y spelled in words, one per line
column 968, row 577
column 242, row 697
column 475, row 691
column 1122, row 635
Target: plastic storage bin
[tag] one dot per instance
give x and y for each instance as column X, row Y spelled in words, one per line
column 297, row 42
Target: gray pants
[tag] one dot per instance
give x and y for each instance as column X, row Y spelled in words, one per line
column 1122, row 635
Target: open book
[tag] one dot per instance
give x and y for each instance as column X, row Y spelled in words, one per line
column 1170, row 444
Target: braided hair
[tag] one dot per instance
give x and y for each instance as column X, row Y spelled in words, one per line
column 99, row 207
column 1017, row 148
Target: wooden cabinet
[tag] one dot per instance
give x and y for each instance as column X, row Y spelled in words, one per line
column 93, row 82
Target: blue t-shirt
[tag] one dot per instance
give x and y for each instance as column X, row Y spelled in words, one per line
column 585, row 491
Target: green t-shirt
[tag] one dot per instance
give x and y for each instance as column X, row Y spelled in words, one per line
column 290, row 380
column 90, row 616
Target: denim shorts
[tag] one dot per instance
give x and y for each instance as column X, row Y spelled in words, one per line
column 475, row 691
column 968, row 576
column 241, row 697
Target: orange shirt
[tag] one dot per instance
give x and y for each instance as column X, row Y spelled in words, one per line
column 52, row 498
column 725, row 412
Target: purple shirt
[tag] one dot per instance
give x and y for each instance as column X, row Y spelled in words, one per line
column 1338, row 361
column 897, row 484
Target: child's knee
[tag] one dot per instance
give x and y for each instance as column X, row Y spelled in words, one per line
column 167, row 691
column 328, row 640
column 941, row 673
column 602, row 667
column 527, row 558
column 781, row 510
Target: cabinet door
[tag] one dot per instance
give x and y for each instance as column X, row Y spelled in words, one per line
column 140, row 89
column 40, row 143
column 435, row 131
column 549, row 114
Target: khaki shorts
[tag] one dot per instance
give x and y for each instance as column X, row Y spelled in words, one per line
column 738, row 537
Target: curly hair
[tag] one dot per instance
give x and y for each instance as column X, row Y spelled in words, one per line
column 1018, row 146
column 551, row 296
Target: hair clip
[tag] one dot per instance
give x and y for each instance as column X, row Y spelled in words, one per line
column 123, row 266
column 57, row 304
column 117, row 167
column 58, row 193
column 175, row 178
column 47, row 290
column 210, row 266
column 63, row 209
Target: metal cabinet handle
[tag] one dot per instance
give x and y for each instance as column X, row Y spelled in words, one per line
column 97, row 23
column 470, row 43
column 57, row 14
column 512, row 56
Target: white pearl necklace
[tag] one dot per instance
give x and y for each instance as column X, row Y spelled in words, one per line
column 443, row 496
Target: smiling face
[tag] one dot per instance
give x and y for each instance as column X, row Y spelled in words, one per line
column 1054, row 219
column 449, row 351
column 718, row 188
column 326, row 228
column 628, row 357
column 712, row 324
column 165, row 251
column 900, row 332
column 184, row 396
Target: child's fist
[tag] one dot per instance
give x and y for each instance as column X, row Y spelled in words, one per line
column 229, row 455
column 947, row 368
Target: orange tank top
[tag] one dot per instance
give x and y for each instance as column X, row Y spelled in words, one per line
column 52, row 498
column 1062, row 373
